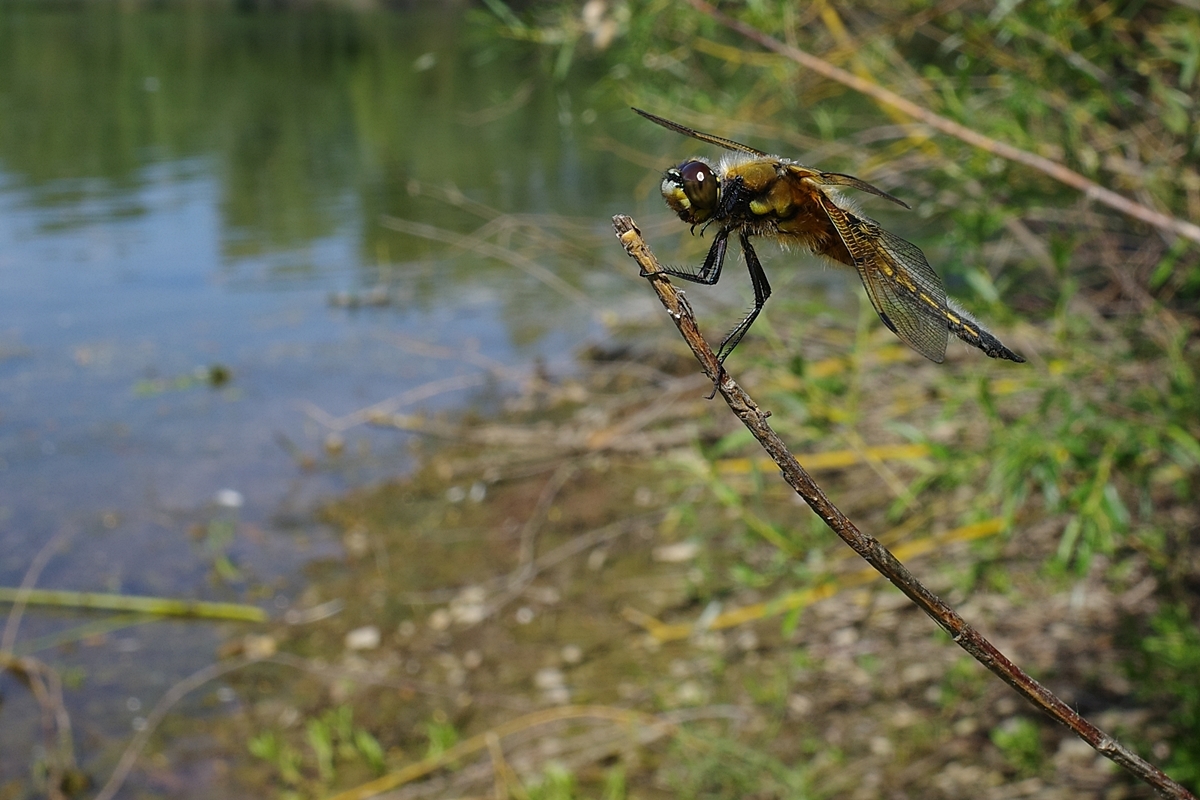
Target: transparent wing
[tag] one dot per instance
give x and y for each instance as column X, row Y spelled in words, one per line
column 728, row 144
column 907, row 294
column 838, row 179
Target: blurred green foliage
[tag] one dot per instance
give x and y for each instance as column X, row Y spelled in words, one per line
column 1165, row 669
column 1102, row 432
column 1019, row 741
column 709, row 766
column 331, row 743
column 556, row 783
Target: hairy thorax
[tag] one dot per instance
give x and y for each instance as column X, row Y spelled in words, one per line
column 783, row 204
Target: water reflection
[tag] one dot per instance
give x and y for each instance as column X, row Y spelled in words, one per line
column 299, row 115
column 184, row 189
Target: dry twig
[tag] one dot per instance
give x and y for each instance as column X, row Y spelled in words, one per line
column 641, row 725
column 9, row 640
column 868, row 547
column 42, row 680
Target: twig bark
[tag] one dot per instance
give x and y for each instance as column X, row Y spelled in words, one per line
column 867, row 546
column 1090, row 189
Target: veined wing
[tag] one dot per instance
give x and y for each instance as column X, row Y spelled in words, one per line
column 728, row 144
column 840, row 179
column 907, row 294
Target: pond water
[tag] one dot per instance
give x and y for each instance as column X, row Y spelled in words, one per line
column 223, row 237
column 200, row 285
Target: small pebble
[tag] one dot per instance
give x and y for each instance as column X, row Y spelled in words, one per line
column 256, row 645
column 440, row 619
column 549, row 678
column 800, row 705
column 364, row 638
column 675, row 553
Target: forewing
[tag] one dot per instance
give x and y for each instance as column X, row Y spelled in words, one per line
column 728, row 144
column 838, row 179
column 906, row 292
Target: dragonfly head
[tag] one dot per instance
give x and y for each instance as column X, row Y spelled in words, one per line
column 691, row 190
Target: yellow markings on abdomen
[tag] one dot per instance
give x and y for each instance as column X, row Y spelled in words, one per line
column 955, row 321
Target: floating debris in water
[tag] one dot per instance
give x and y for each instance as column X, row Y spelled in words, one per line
column 214, row 376
column 375, row 297
column 229, row 498
column 317, row 612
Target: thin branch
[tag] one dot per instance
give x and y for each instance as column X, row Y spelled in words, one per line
column 640, row 724
column 516, row 582
column 507, row 783
column 43, row 682
column 41, row 679
column 159, row 606
column 9, row 640
column 871, row 550
column 417, row 394
column 524, row 572
column 156, row 715
column 483, row 248
column 1090, row 189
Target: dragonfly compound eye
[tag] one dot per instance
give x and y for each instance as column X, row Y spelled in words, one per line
column 691, row 190
column 700, row 186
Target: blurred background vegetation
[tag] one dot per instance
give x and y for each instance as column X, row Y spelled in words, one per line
column 1089, row 455
column 1105, row 436
column 1102, row 437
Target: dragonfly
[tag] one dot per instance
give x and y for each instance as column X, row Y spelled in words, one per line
column 749, row 193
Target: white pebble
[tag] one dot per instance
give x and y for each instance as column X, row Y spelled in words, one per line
column 365, row 638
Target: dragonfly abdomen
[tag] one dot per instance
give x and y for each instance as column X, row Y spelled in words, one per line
column 974, row 334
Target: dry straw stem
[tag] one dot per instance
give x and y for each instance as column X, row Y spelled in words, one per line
column 868, row 546
column 508, row 255
column 46, row 687
column 1090, row 189
column 165, row 703
column 793, row 601
column 158, row 606
column 638, row 723
column 642, row 727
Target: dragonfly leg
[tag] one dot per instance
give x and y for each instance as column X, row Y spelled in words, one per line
column 762, row 290
column 710, row 272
